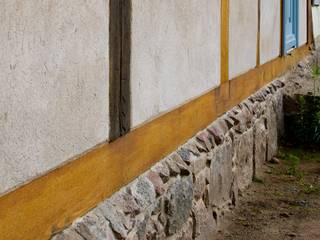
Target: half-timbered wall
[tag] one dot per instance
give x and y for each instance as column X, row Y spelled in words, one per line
column 54, row 69
column 55, row 102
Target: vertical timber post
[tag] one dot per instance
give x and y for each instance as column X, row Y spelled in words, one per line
column 310, row 39
column 119, row 68
column 224, row 89
column 224, row 41
column 258, row 33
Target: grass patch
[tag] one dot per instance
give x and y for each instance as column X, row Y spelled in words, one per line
column 292, row 161
column 311, row 189
column 278, row 194
column 308, row 188
column 257, row 180
column 304, row 155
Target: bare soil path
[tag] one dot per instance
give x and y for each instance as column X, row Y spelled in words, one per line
column 285, row 204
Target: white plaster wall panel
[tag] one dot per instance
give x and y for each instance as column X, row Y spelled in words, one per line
column 316, row 21
column 303, row 26
column 243, row 27
column 175, row 54
column 316, row 25
column 270, row 23
column 54, row 84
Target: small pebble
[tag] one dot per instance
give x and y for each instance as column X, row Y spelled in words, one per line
column 293, row 235
column 284, row 215
column 274, row 160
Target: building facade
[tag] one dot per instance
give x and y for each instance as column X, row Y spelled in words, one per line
column 94, row 93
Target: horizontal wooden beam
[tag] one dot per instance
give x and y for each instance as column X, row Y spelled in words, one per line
column 52, row 202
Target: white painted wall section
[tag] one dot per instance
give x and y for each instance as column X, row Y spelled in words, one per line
column 303, row 25
column 243, row 28
column 175, row 54
column 270, row 23
column 54, row 84
column 316, row 20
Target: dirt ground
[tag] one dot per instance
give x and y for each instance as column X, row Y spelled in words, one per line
column 284, row 204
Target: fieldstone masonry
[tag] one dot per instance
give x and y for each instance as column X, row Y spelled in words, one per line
column 185, row 195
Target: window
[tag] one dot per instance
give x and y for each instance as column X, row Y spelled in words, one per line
column 290, row 25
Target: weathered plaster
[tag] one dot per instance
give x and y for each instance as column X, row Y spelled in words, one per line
column 270, row 30
column 316, row 24
column 243, row 27
column 303, row 22
column 54, row 84
column 175, row 54
column 316, row 21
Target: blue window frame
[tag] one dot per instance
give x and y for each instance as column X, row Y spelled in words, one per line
column 290, row 25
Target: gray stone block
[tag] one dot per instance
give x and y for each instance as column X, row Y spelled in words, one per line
column 272, row 126
column 68, row 234
column 94, row 227
column 260, row 146
column 221, row 174
column 205, row 224
column 144, row 192
column 243, row 158
column 118, row 221
column 179, row 203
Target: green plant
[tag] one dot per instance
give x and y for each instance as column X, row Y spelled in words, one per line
column 303, row 126
column 303, row 123
column 257, row 180
column 293, row 163
column 310, row 189
column 315, row 76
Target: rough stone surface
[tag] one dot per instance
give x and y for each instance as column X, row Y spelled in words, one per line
column 260, row 146
column 200, row 184
column 185, row 195
column 204, row 222
column 243, row 158
column 157, row 182
column 179, row 203
column 221, row 175
column 272, row 136
column 68, row 234
column 140, row 228
column 185, row 233
column 117, row 219
column 125, row 202
column 184, row 154
column 198, row 163
column 176, row 161
column 143, row 191
column 279, row 111
column 162, row 169
column 95, row 227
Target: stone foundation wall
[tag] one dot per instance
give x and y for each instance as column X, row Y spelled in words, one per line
column 185, row 195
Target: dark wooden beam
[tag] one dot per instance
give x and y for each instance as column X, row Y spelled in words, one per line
column 119, row 64
column 258, row 34
column 125, row 98
column 310, row 22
